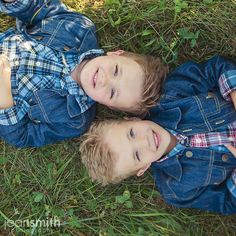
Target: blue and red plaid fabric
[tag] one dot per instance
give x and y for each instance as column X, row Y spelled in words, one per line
column 231, row 183
column 227, row 83
column 215, row 138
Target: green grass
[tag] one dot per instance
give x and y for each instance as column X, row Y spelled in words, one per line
column 50, row 181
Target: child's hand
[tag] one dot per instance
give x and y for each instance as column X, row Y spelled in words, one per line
column 5, row 68
column 232, row 149
column 233, row 97
column 8, row 1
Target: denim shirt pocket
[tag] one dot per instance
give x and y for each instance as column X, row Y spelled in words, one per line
column 199, row 171
column 182, row 190
column 215, row 110
column 68, row 36
column 217, row 176
column 55, row 36
column 51, row 106
column 89, row 42
column 208, row 103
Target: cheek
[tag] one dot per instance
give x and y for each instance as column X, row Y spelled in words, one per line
column 150, row 156
column 100, row 97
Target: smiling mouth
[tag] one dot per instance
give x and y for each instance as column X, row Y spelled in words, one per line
column 95, row 78
column 156, row 139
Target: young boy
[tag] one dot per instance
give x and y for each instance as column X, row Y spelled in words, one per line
column 52, row 72
column 191, row 166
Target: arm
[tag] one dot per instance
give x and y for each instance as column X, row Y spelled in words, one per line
column 233, row 98
column 193, row 186
column 50, row 22
column 227, row 83
column 231, row 183
column 210, row 198
column 34, row 133
column 232, row 149
column 201, row 78
column 219, row 197
column 32, row 11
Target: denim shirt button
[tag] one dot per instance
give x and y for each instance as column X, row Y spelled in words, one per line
column 225, row 157
column 66, row 48
column 189, row 154
column 219, row 122
column 39, row 38
column 36, row 121
column 209, row 95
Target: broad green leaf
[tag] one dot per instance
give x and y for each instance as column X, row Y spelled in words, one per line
column 38, row 197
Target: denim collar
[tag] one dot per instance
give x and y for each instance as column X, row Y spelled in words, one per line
column 166, row 118
column 171, row 167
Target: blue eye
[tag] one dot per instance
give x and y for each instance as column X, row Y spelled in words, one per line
column 116, row 71
column 137, row 155
column 131, row 132
column 112, row 93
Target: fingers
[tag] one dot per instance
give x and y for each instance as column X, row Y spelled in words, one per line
column 1, row 66
column 233, row 97
column 9, row 1
column 232, row 149
column 5, row 68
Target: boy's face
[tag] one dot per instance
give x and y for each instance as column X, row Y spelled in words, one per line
column 113, row 80
column 136, row 144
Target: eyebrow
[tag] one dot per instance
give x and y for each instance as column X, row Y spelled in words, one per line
column 120, row 74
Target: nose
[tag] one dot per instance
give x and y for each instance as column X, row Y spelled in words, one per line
column 143, row 141
column 102, row 79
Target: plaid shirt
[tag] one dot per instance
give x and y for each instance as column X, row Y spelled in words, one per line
column 227, row 136
column 227, row 84
column 212, row 140
column 35, row 66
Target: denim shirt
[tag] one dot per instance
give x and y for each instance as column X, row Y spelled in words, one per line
column 191, row 103
column 54, row 114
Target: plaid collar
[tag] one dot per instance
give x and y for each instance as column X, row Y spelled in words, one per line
column 180, row 146
column 212, row 140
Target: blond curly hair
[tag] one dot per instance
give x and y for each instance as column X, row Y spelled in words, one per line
column 155, row 73
column 97, row 156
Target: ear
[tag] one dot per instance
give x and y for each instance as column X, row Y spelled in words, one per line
column 117, row 53
column 142, row 171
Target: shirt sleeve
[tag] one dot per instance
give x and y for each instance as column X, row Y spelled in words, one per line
column 231, row 183
column 211, row 198
column 15, row 6
column 40, row 127
column 189, row 192
column 192, row 78
column 31, row 12
column 227, row 84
